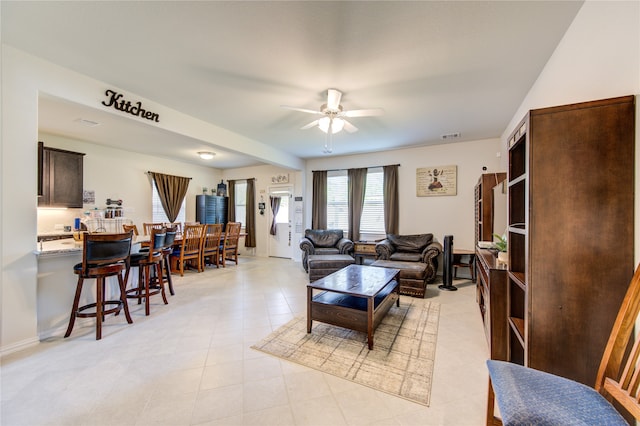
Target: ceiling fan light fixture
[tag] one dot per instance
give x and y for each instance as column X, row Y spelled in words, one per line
column 206, row 155
column 338, row 124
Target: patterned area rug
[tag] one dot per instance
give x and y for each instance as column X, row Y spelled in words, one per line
column 401, row 362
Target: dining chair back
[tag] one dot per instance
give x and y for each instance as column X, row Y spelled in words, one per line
column 149, row 264
column 211, row 246
column 103, row 255
column 191, row 248
column 128, row 228
column 149, row 226
column 528, row 396
column 229, row 246
column 175, row 225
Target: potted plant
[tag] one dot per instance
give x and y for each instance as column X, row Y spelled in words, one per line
column 501, row 245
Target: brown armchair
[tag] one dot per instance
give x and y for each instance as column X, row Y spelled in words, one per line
column 324, row 241
column 411, row 248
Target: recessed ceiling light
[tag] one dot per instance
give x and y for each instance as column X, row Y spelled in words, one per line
column 87, row 123
column 206, row 155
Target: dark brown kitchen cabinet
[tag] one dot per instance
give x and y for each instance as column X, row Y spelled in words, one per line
column 60, row 180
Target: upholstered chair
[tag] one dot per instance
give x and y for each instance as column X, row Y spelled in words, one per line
column 324, row 241
column 411, row 248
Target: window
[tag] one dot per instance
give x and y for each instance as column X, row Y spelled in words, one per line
column 241, row 203
column 157, row 211
column 372, row 220
column 337, row 201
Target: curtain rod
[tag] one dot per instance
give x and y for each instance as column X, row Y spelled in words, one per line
column 368, row 167
column 148, row 172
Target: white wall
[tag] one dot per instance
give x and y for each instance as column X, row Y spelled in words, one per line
column 447, row 215
column 263, row 175
column 599, row 57
column 118, row 174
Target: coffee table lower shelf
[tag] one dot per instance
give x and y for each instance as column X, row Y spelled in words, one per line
column 353, row 312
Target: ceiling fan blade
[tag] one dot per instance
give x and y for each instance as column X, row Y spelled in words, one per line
column 350, row 127
column 373, row 112
column 310, row 125
column 333, row 99
column 310, row 111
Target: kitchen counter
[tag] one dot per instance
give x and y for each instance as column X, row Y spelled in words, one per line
column 62, row 247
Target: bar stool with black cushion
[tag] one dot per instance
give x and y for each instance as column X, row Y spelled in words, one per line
column 229, row 246
column 169, row 239
column 191, row 248
column 103, row 255
column 211, row 246
column 145, row 262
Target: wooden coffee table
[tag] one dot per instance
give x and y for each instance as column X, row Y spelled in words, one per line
column 356, row 297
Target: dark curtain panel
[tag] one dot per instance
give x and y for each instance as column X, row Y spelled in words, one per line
column 275, row 207
column 250, row 226
column 357, row 184
column 391, row 203
column 231, row 202
column 171, row 190
column 319, row 201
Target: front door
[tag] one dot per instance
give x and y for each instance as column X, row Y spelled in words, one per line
column 280, row 234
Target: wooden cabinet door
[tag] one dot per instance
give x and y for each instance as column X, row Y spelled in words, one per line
column 62, row 173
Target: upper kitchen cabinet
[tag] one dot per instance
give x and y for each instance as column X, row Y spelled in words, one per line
column 60, row 177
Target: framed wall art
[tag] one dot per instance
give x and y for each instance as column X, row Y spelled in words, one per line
column 436, row 181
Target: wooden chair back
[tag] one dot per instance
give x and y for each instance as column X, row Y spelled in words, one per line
column 619, row 373
column 149, row 226
column 101, row 249
column 230, row 243
column 176, row 225
column 133, row 228
column 191, row 247
column 211, row 245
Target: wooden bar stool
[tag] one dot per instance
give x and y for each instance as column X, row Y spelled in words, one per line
column 145, row 261
column 103, row 255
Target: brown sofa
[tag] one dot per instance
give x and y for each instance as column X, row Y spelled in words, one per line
column 325, row 242
column 411, row 248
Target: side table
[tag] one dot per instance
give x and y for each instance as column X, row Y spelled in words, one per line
column 464, row 259
column 364, row 249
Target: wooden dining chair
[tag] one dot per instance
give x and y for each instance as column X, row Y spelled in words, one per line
column 133, row 228
column 149, row 226
column 528, row 396
column 211, row 246
column 229, row 246
column 190, row 250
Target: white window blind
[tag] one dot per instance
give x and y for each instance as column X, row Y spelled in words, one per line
column 158, row 214
column 337, row 201
column 372, row 220
column 241, row 203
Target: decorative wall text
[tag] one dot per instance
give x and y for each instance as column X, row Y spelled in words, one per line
column 117, row 101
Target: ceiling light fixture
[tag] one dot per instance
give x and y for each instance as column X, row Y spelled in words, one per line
column 206, row 155
column 337, row 124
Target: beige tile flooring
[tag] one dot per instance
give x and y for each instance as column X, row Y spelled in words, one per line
column 190, row 363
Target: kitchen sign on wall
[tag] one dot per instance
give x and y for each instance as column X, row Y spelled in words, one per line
column 117, row 101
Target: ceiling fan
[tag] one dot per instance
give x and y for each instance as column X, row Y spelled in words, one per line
column 333, row 120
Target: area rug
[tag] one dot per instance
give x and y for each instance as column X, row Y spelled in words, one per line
column 400, row 363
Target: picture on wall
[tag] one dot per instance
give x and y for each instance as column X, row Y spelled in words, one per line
column 436, row 181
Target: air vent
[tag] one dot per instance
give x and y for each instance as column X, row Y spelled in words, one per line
column 448, row 136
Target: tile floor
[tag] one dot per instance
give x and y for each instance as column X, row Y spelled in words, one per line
column 190, row 363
